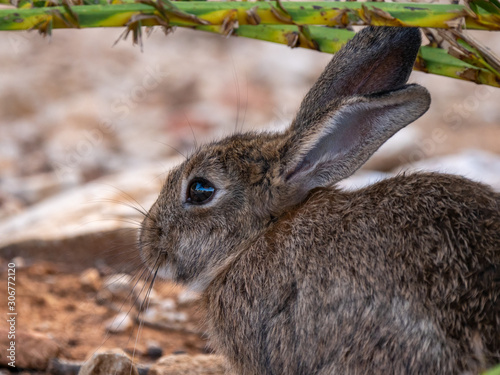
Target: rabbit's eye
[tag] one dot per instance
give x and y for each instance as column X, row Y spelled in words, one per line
column 200, row 191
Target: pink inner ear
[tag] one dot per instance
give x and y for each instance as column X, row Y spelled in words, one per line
column 351, row 137
column 344, row 132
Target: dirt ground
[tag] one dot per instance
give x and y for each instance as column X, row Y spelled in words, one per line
column 55, row 303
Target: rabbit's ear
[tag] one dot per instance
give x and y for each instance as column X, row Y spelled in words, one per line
column 377, row 59
column 358, row 102
column 345, row 136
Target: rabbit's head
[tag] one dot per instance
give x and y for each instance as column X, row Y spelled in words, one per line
column 228, row 193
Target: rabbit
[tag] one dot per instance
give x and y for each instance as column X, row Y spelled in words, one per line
column 300, row 277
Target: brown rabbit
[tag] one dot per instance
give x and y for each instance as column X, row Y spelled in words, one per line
column 300, row 277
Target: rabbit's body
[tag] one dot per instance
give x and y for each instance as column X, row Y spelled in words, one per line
column 298, row 277
column 361, row 281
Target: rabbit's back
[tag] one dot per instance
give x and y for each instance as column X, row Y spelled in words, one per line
column 394, row 277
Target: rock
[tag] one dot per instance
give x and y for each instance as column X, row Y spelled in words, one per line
column 361, row 179
column 91, row 280
column 35, row 188
column 63, row 367
column 19, row 262
column 124, row 287
column 184, row 364
column 118, row 284
column 187, row 297
column 155, row 317
column 108, row 362
column 476, row 165
column 120, row 323
column 116, row 290
column 32, row 350
column 158, row 315
column 154, row 350
column 167, row 304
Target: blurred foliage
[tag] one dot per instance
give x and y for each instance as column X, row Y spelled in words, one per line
column 323, row 26
column 320, row 25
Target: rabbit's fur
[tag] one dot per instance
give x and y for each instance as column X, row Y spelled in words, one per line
column 299, row 277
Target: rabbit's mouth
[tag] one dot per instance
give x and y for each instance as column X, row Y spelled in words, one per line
column 159, row 266
column 169, row 272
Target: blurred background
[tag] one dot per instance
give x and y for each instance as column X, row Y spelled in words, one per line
column 88, row 130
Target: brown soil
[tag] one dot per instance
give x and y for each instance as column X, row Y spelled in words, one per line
column 56, row 304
